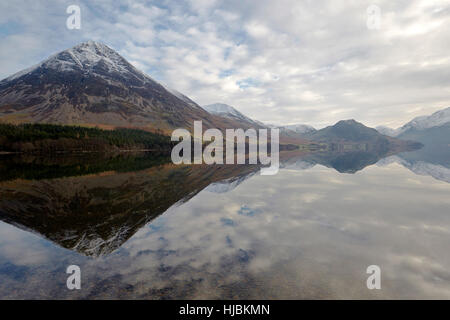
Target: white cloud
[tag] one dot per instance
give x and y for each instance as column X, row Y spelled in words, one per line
column 312, row 62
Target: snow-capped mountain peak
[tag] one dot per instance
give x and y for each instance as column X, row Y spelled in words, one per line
column 424, row 122
column 388, row 131
column 87, row 56
column 225, row 110
column 90, row 53
column 437, row 119
column 222, row 108
column 91, row 84
column 299, row 128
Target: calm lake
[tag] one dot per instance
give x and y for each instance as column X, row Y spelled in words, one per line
column 141, row 227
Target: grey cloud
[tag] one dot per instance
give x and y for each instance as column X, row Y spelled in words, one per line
column 310, row 61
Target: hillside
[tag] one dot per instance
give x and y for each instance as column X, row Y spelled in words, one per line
column 92, row 85
column 437, row 119
column 228, row 112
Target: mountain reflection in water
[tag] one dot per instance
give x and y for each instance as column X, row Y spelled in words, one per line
column 94, row 214
column 141, row 227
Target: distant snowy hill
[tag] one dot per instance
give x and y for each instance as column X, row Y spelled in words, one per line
column 298, row 128
column 387, row 131
column 437, row 119
column 226, row 110
column 229, row 112
column 425, row 122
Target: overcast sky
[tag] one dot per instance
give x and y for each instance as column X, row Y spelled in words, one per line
column 278, row 61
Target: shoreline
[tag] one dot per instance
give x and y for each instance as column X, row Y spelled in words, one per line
column 79, row 152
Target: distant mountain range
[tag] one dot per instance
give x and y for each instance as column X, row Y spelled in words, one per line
column 345, row 131
column 298, row 128
column 350, row 135
column 92, row 85
column 421, row 123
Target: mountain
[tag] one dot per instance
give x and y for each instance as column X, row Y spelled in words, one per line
column 436, row 141
column 296, row 131
column 228, row 112
column 352, row 136
column 433, row 132
column 437, row 119
column 238, row 120
column 425, row 122
column 439, row 135
column 225, row 110
column 91, row 84
column 346, row 131
column 298, row 128
column 387, row 131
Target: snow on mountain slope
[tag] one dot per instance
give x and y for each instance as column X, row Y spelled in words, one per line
column 86, row 56
column 91, row 84
column 298, row 128
column 437, row 119
column 229, row 112
column 181, row 96
column 387, row 131
column 225, row 110
column 424, row 122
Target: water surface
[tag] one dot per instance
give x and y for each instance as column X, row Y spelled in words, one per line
column 139, row 227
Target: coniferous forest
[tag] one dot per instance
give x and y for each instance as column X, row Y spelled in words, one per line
column 52, row 138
